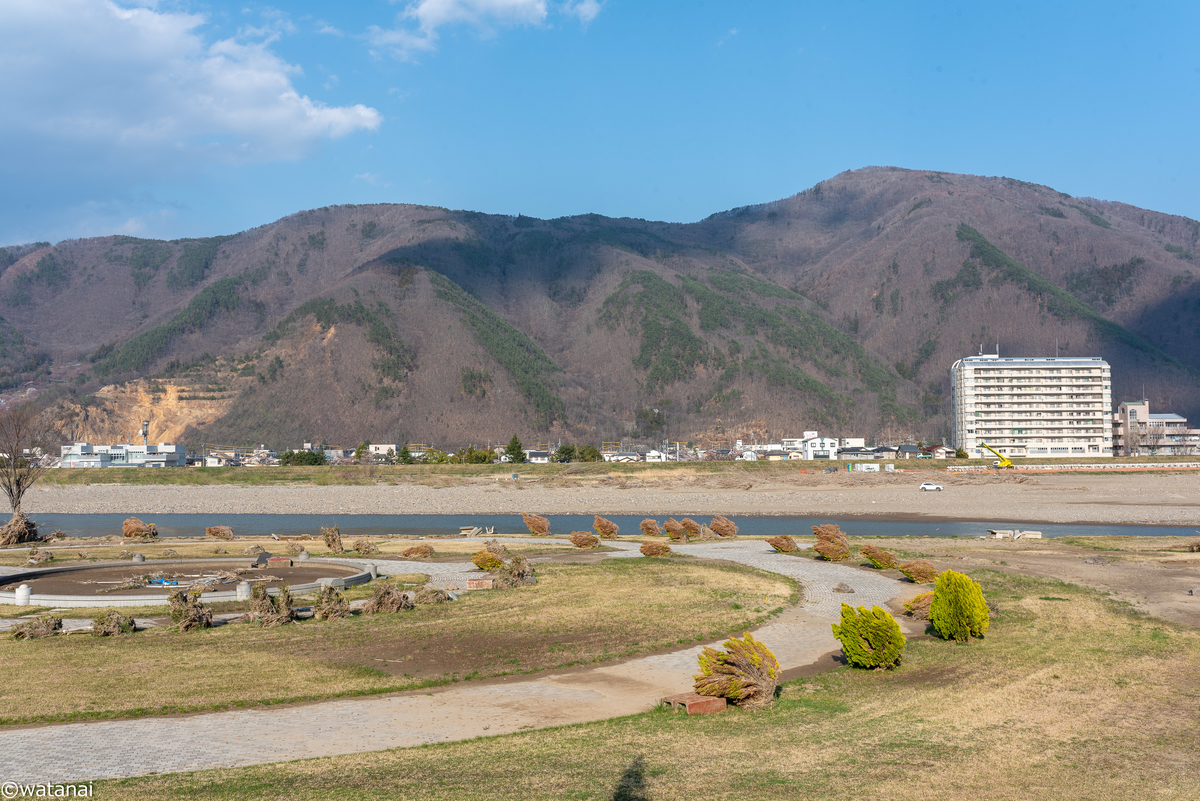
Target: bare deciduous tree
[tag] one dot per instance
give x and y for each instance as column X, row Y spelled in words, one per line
column 25, row 437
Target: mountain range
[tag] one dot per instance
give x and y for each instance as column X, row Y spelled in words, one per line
column 838, row 309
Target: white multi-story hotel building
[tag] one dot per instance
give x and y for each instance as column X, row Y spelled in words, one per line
column 1050, row 408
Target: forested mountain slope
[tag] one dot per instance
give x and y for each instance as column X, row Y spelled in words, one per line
column 840, row 308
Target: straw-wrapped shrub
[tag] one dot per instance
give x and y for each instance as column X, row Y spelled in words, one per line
column 745, row 673
column 432, row 595
column 219, row 532
column 387, row 597
column 606, row 528
column 650, row 528
column 918, row 607
column 958, row 611
column 538, row 526
column 251, row 550
column 333, row 538
column 271, row 610
column 584, row 539
column 496, row 546
column 723, row 527
column 188, row 612
column 18, row 530
column 37, row 628
column 919, row 571
column 832, row 543
column 111, row 624
column 365, row 547
column 783, row 543
column 879, row 557
column 691, row 527
column 514, row 573
column 331, row 604
column 418, row 552
column 870, row 638
column 655, row 549
column 133, row 528
column 675, row 530
column 486, row 560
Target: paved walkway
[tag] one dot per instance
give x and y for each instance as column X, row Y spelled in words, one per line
column 112, row 749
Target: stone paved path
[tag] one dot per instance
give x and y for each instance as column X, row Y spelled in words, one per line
column 111, row 749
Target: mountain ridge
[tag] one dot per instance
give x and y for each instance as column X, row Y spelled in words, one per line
column 839, row 308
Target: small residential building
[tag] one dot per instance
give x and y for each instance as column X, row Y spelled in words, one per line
column 778, row 455
column 941, row 452
column 908, row 452
column 83, row 454
column 820, row 448
column 857, row 453
column 621, row 456
column 537, row 457
column 381, row 451
column 885, row 452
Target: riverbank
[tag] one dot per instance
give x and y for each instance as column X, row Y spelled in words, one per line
column 1132, row 499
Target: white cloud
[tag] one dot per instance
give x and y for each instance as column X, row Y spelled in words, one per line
column 326, row 28
column 433, row 14
column 586, row 10
column 416, row 29
column 136, row 83
column 732, row 33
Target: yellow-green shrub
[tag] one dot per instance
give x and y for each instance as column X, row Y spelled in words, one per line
column 959, row 611
column 486, row 560
column 870, row 638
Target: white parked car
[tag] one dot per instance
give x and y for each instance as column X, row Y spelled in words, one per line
column 929, row 486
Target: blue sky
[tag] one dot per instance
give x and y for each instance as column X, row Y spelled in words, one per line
column 181, row 118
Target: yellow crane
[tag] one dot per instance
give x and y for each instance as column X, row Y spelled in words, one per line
column 1004, row 463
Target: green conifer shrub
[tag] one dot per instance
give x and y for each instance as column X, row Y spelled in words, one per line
column 870, row 638
column 959, row 611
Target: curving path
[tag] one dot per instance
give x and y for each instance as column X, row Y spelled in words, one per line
column 75, row 752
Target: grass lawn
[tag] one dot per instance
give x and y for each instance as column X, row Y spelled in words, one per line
column 576, row 614
column 1070, row 696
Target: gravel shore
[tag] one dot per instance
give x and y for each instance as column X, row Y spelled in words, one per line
column 1146, row 498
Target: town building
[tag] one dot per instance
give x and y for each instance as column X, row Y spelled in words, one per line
column 820, row 448
column 1139, row 432
column 1038, row 407
column 83, row 454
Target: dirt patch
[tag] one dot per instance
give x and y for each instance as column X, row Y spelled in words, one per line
column 1130, row 569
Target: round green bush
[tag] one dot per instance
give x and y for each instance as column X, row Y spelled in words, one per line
column 959, row 611
column 870, row 638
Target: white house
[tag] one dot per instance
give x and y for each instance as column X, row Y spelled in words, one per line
column 381, row 451
column 852, row 442
column 820, row 448
column 537, row 457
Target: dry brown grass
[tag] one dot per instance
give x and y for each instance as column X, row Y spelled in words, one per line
column 1075, row 700
column 575, row 614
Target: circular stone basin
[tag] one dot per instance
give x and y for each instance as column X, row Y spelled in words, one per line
column 92, row 584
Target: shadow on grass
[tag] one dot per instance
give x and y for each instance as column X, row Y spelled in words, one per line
column 632, row 786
